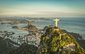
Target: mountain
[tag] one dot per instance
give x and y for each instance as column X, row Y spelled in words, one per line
column 56, row 41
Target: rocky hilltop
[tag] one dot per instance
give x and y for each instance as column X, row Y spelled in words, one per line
column 56, row 41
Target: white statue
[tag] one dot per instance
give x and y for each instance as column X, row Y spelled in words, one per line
column 56, row 22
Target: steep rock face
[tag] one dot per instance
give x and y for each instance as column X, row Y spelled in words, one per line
column 56, row 41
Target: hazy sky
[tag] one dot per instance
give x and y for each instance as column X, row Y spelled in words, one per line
column 42, row 7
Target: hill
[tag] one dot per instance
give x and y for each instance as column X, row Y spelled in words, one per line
column 57, row 41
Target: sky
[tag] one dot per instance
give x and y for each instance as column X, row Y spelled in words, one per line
column 42, row 8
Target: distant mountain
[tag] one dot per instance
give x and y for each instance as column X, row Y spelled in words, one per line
column 57, row 41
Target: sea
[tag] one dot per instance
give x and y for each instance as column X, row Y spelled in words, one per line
column 70, row 24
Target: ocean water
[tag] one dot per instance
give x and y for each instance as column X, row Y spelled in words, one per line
column 76, row 25
column 71, row 24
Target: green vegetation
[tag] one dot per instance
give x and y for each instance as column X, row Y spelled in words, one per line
column 56, row 41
